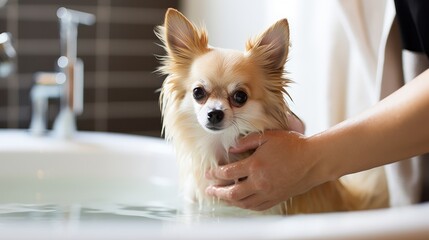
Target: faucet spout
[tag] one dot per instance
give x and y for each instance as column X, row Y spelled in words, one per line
column 68, row 62
column 69, row 79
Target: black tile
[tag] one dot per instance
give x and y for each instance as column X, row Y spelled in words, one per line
column 148, row 79
column 38, row 29
column 3, row 25
column 89, row 95
column 28, row 29
column 131, row 94
column 59, row 2
column 3, row 123
column 24, row 97
column 135, row 125
column 53, row 110
column 89, row 63
column 132, row 31
column 133, row 63
column 3, row 97
column 3, row 13
column 46, row 27
column 24, row 115
column 145, row 3
column 32, row 63
column 85, row 124
column 24, row 123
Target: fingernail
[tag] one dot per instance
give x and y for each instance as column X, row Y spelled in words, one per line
column 209, row 191
column 208, row 175
column 232, row 150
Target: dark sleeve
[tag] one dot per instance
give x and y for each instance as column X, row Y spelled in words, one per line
column 413, row 18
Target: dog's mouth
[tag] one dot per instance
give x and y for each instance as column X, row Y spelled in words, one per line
column 214, row 127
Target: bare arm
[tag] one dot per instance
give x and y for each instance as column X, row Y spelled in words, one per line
column 287, row 164
column 394, row 129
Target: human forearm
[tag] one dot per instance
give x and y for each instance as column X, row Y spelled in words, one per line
column 394, row 129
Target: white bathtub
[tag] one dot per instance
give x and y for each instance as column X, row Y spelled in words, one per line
column 113, row 186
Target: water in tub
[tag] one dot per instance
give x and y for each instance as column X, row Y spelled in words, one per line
column 92, row 177
column 112, row 186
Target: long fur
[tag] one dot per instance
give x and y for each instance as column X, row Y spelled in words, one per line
column 197, row 150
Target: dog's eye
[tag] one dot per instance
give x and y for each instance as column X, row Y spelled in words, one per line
column 239, row 98
column 199, row 93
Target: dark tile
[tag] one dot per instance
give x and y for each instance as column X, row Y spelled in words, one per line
column 53, row 110
column 38, row 29
column 85, row 124
column 133, row 63
column 145, row 3
column 132, row 31
column 146, row 79
column 3, row 123
column 3, row 25
column 89, row 63
column 59, row 2
column 24, row 97
column 89, row 95
column 3, row 97
column 24, row 117
column 135, row 125
column 31, row 63
column 3, row 13
column 46, row 27
column 28, row 29
column 131, row 94
column 24, row 123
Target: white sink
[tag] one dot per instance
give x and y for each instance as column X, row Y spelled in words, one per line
column 90, row 168
column 115, row 186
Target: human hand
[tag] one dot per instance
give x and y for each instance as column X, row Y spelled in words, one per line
column 281, row 167
column 294, row 123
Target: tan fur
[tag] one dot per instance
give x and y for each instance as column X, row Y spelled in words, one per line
column 259, row 71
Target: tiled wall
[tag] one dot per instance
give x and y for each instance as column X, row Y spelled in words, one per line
column 118, row 53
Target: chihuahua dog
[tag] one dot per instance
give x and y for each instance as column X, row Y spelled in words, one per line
column 213, row 96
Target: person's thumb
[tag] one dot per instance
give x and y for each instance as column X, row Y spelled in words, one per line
column 249, row 142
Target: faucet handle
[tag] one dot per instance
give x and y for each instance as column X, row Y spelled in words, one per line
column 7, row 54
column 78, row 87
column 74, row 16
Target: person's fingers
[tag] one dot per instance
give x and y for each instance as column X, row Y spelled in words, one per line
column 250, row 202
column 232, row 171
column 256, row 202
column 249, row 142
column 232, row 193
column 264, row 206
column 217, row 182
column 295, row 124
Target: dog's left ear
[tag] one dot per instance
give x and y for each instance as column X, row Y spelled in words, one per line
column 183, row 39
column 272, row 46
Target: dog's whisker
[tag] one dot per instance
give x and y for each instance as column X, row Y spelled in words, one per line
column 251, row 126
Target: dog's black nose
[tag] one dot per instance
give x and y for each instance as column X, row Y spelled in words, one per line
column 215, row 116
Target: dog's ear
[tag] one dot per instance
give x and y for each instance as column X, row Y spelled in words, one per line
column 181, row 37
column 272, row 46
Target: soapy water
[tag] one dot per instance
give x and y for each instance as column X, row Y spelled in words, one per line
column 41, row 213
column 82, row 200
column 58, row 213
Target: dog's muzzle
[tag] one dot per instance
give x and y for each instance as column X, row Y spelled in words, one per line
column 215, row 118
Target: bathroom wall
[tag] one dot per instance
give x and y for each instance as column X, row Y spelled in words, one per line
column 118, row 53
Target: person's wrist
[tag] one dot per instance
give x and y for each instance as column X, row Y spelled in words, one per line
column 323, row 167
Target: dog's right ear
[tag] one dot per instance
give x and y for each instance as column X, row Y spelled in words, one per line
column 182, row 39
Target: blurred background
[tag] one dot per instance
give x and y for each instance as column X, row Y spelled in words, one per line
column 118, row 53
column 333, row 80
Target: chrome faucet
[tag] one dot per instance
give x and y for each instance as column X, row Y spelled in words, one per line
column 7, row 55
column 66, row 84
